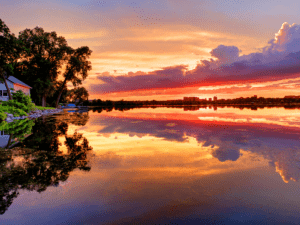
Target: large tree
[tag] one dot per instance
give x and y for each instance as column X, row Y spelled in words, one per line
column 40, row 65
column 53, row 93
column 77, row 68
column 9, row 53
column 78, row 94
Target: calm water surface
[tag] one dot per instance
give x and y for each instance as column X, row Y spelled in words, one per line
column 153, row 166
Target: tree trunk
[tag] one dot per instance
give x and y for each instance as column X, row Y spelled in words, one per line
column 9, row 141
column 44, row 100
column 8, row 90
column 60, row 92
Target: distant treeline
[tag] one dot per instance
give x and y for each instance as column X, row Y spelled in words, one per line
column 99, row 109
column 251, row 102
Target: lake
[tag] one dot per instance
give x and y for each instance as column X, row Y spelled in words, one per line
column 153, row 166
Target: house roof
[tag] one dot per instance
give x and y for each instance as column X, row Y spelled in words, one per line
column 17, row 81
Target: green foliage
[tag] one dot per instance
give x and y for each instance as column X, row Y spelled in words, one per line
column 43, row 108
column 19, row 112
column 18, row 128
column 20, row 97
column 16, row 107
column 3, row 124
column 3, row 115
column 12, row 110
column 19, row 106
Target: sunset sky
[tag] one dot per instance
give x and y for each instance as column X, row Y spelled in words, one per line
column 168, row 49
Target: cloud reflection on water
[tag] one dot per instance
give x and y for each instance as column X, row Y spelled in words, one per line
column 223, row 138
column 156, row 166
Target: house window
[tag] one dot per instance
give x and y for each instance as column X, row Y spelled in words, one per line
column 5, row 93
column 0, row 92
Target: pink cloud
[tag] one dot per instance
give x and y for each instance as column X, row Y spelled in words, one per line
column 225, row 54
column 279, row 60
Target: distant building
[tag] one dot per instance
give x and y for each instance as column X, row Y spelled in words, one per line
column 292, row 97
column 215, row 98
column 14, row 83
column 191, row 99
column 210, row 99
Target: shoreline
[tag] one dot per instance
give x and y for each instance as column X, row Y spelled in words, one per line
column 33, row 114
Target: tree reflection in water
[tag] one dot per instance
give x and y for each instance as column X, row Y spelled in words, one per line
column 37, row 163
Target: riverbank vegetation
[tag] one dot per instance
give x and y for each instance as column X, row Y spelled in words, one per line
column 19, row 129
column 21, row 105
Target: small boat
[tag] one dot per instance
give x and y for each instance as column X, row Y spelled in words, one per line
column 73, row 108
column 69, row 106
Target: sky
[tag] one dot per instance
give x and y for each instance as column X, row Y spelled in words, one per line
column 168, row 49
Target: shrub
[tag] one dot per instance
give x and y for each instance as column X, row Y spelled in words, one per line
column 12, row 110
column 19, row 112
column 20, row 97
column 3, row 125
column 15, row 104
column 19, row 106
column 18, row 128
column 13, row 107
column 3, row 115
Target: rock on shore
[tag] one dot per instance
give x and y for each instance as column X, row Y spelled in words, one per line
column 33, row 114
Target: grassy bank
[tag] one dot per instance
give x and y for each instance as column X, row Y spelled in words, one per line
column 21, row 105
column 42, row 108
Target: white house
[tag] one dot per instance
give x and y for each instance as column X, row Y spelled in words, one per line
column 14, row 83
